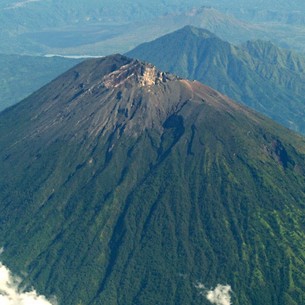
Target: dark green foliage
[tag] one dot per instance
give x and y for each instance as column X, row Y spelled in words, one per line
column 131, row 194
column 258, row 74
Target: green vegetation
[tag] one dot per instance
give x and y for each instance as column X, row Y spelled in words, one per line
column 126, row 194
column 22, row 75
column 258, row 74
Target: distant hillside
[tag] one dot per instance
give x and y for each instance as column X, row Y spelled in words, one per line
column 100, row 35
column 258, row 74
column 22, row 75
column 99, row 28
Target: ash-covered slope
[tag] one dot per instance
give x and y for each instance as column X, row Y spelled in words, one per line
column 121, row 184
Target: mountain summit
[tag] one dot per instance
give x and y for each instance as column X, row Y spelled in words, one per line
column 121, row 185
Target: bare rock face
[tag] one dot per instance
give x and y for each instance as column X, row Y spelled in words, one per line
column 144, row 75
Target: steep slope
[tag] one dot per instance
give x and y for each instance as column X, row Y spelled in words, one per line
column 259, row 74
column 121, row 184
column 22, row 75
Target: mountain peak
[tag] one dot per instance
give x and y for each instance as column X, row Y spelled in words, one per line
column 98, row 95
column 203, row 33
column 136, row 71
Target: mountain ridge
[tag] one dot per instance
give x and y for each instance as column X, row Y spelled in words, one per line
column 257, row 74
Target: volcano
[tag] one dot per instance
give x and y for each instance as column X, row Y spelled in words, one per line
column 121, row 184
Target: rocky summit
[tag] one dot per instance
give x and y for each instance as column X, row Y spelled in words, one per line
column 121, row 185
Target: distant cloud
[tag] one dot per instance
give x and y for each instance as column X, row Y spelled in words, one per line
column 20, row 4
column 221, row 295
column 11, row 294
